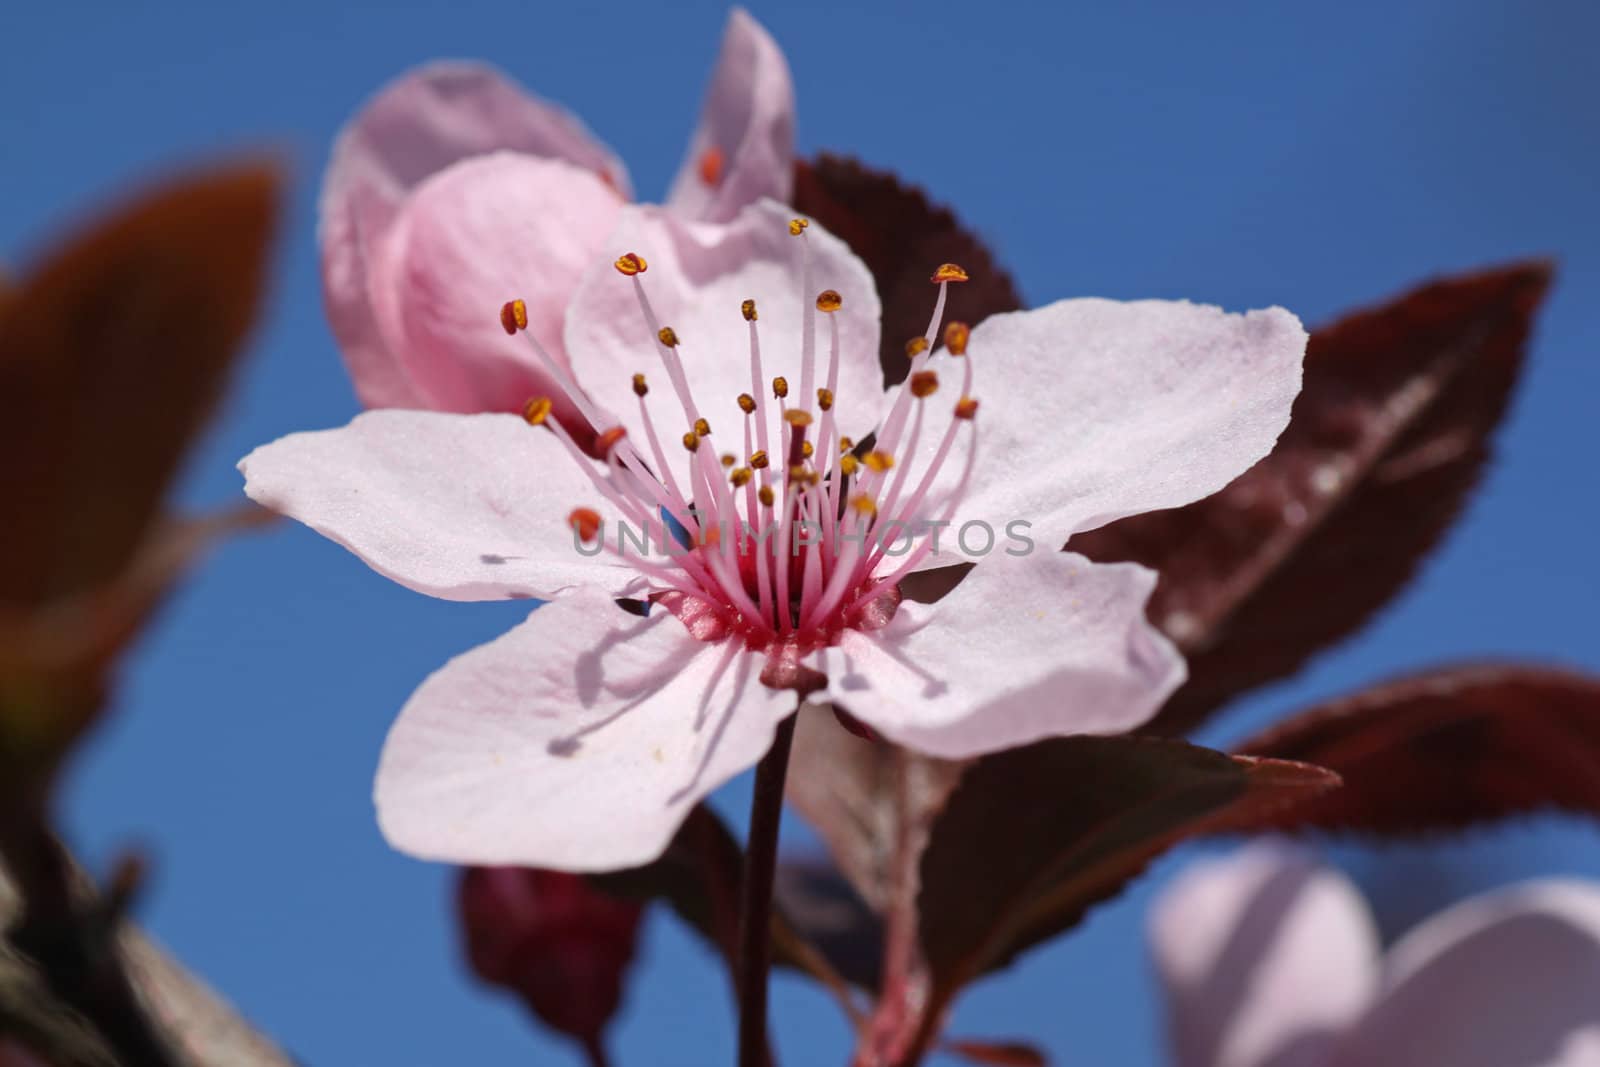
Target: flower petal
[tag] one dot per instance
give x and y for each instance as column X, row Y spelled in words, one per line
column 464, row 507
column 475, row 235
column 1025, row 647
column 1090, row 410
column 577, row 741
column 743, row 149
column 417, row 125
column 698, row 276
column 1509, row 977
column 1265, row 957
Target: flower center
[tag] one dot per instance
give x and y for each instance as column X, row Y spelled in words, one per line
column 797, row 533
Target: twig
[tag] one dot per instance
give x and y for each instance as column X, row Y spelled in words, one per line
column 755, row 912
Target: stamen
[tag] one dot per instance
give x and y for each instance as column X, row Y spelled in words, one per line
column 759, row 460
column 797, row 225
column 610, row 439
column 780, row 387
column 864, row 505
column 747, row 403
column 748, row 310
column 829, row 301
column 956, row 335
column 924, row 383
column 797, row 417
column 966, row 407
column 878, row 461
column 741, row 476
column 766, row 495
column 640, row 387
column 631, row 263
column 949, row 272
column 825, row 399
column 514, row 316
column 668, row 336
column 702, row 427
column 711, row 165
column 728, row 459
column 691, row 441
column 916, row 346
column 586, row 521
column 846, row 444
column 535, row 411
column 806, row 449
column 849, row 465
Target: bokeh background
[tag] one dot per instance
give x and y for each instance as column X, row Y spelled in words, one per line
column 1315, row 156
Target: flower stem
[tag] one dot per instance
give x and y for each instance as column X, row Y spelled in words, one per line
column 755, row 911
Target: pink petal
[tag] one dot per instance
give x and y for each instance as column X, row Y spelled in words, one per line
column 475, row 235
column 698, row 275
column 464, row 507
column 577, row 741
column 1512, row 977
column 1091, row 409
column 747, row 125
column 417, row 125
column 1024, row 648
column 1265, row 957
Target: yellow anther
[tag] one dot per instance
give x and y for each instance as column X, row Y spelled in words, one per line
column 949, row 272
column 864, row 504
column 640, row 386
column 924, row 383
column 747, row 403
column 797, row 472
column 586, row 521
column 806, row 449
column 535, row 411
column 741, row 476
column 796, row 225
column 631, row 263
column 825, row 399
column 966, row 408
column 797, row 417
column 691, row 440
column 845, row 444
column 916, row 346
column 829, row 300
column 765, row 495
column 759, row 461
column 702, row 427
column 780, row 387
column 849, row 465
column 748, row 310
column 609, row 440
column 956, row 335
column 878, row 461
column 667, row 336
column 514, row 316
column 728, row 459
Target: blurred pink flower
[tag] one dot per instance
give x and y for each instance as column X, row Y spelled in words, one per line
column 453, row 186
column 1270, row 960
column 580, row 739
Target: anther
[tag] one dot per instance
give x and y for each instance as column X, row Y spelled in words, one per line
column 956, row 335
column 748, row 310
column 766, row 495
column 759, row 461
column 640, row 387
column 609, row 439
column 747, row 403
column 711, row 165
column 668, row 336
column 729, row 459
column 806, row 449
column 631, row 263
column 780, row 387
column 797, row 225
column 514, row 316
column 797, row 472
column 864, row 504
column 586, row 521
column 797, row 416
column 702, row 427
column 846, row 444
column 849, row 465
column 691, row 440
column 916, row 346
column 829, row 300
column 741, row 476
column 966, row 408
column 878, row 461
column 535, row 411
column 949, row 272
column 924, row 383
column 825, row 399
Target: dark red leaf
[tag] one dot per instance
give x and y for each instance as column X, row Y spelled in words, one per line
column 1445, row 749
column 1033, row 837
column 902, row 237
column 553, row 940
column 112, row 353
column 830, row 914
column 998, row 1053
column 1389, row 435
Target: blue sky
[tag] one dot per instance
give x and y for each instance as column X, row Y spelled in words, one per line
column 1315, row 156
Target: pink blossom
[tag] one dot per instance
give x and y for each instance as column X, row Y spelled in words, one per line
column 453, row 186
column 580, row 739
column 1270, row 960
